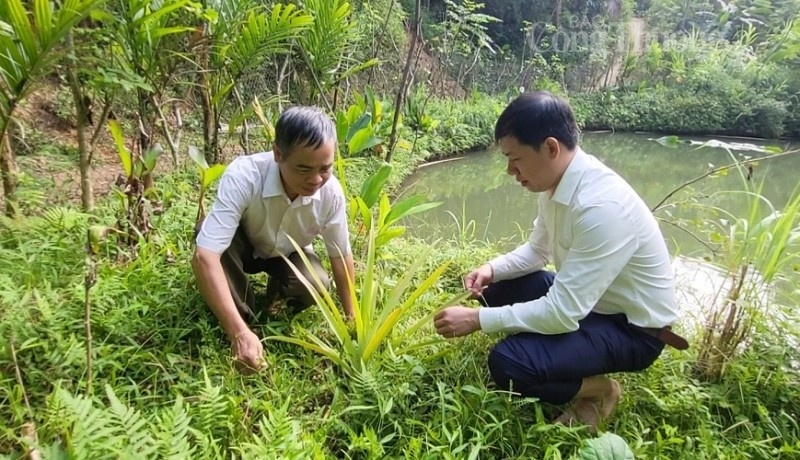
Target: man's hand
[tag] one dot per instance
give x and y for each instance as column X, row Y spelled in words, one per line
column 248, row 352
column 478, row 279
column 457, row 321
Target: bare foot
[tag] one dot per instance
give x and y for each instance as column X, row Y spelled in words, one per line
column 592, row 411
column 275, row 308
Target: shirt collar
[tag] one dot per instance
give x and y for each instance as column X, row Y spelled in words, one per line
column 572, row 176
column 273, row 186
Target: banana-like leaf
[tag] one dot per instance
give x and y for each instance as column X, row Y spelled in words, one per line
column 387, row 234
column 407, row 207
column 373, row 186
column 362, row 122
column 362, row 140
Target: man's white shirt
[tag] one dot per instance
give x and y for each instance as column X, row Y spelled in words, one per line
column 251, row 193
column 608, row 250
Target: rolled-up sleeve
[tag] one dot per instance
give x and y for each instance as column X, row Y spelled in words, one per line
column 604, row 242
column 335, row 233
column 220, row 225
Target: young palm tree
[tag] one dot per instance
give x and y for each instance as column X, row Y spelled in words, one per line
column 28, row 49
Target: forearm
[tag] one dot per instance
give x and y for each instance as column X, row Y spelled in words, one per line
column 215, row 291
column 344, row 277
column 516, row 263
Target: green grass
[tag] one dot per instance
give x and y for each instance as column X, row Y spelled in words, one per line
column 164, row 386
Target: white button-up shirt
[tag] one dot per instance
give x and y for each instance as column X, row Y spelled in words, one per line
column 608, row 250
column 251, row 194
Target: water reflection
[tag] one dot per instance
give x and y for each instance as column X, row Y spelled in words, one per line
column 476, row 188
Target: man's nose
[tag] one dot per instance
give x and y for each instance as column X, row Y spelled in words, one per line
column 510, row 169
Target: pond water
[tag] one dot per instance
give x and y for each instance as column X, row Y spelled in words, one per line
column 481, row 202
column 478, row 196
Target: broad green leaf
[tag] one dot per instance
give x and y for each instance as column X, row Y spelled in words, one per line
column 341, row 128
column 366, row 217
column 362, row 140
column 372, row 187
column 362, row 123
column 124, row 154
column 212, row 174
column 387, row 234
column 409, row 206
column 608, row 446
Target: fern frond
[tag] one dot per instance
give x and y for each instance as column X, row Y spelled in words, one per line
column 171, row 430
column 128, row 421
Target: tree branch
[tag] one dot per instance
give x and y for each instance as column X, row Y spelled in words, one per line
column 714, row 171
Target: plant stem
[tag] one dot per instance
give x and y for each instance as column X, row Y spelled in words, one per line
column 89, row 280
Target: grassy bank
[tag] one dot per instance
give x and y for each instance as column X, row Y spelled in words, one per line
column 162, row 383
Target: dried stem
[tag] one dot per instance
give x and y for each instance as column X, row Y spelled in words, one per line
column 714, row 171
column 89, row 281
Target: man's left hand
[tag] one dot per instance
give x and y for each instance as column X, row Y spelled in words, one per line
column 457, row 321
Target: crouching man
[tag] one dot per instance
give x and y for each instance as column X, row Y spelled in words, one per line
column 610, row 304
column 262, row 200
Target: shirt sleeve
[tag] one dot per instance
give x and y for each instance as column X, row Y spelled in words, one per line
column 603, row 244
column 335, row 233
column 528, row 258
column 221, row 224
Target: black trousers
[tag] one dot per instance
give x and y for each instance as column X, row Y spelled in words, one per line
column 552, row 367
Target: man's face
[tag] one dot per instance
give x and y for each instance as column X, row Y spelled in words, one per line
column 306, row 169
column 535, row 169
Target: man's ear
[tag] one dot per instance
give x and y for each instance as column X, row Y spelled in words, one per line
column 276, row 152
column 553, row 147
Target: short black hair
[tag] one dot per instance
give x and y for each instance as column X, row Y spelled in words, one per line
column 303, row 126
column 533, row 117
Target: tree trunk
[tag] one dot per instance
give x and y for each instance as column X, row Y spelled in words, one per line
column 401, row 92
column 81, row 116
column 8, row 169
column 559, row 8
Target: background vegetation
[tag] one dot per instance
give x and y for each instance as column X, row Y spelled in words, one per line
column 108, row 350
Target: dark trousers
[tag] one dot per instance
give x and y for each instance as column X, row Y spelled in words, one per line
column 238, row 262
column 552, row 367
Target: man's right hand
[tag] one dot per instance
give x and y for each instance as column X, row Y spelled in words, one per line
column 477, row 280
column 248, row 352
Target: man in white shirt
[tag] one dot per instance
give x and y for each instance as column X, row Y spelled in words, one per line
column 263, row 200
column 610, row 303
